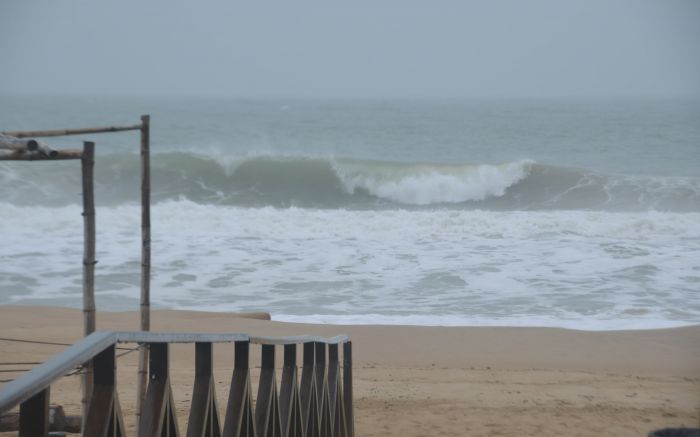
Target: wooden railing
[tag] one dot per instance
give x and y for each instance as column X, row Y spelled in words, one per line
column 318, row 404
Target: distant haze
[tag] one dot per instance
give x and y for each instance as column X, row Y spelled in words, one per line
column 355, row 49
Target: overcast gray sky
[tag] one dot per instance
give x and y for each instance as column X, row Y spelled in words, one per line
column 358, row 48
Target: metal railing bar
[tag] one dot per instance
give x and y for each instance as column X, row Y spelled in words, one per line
column 299, row 339
column 194, row 337
column 176, row 337
column 36, row 380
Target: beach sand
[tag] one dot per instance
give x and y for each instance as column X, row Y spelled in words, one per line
column 429, row 381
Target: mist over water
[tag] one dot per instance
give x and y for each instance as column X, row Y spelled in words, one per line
column 583, row 214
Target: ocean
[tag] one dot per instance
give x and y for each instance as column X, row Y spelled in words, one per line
column 581, row 214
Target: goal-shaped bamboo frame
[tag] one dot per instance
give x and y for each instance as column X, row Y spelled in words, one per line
column 29, row 151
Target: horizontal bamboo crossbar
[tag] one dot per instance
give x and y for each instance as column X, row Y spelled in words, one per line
column 78, row 131
column 56, row 155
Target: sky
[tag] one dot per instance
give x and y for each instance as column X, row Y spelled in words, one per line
column 353, row 49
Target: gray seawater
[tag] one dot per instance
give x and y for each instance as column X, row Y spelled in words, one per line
column 582, row 214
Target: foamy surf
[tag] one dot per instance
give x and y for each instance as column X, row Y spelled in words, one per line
column 574, row 269
column 613, row 323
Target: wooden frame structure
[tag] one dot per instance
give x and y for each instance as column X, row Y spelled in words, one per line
column 16, row 146
column 318, row 405
column 31, row 150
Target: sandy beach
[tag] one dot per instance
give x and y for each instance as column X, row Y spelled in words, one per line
column 417, row 381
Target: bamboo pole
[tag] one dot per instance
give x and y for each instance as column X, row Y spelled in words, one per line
column 65, row 132
column 87, row 167
column 56, row 156
column 18, row 145
column 145, row 259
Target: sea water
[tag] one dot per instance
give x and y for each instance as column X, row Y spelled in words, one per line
column 581, row 214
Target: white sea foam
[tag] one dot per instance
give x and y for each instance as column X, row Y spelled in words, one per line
column 586, row 270
column 425, row 185
column 574, row 322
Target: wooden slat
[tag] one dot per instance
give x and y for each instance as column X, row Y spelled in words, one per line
column 34, row 415
column 322, row 389
column 290, row 402
column 267, row 415
column 347, row 388
column 158, row 410
column 104, row 418
column 309, row 393
column 335, row 394
column 204, row 415
column 239, row 420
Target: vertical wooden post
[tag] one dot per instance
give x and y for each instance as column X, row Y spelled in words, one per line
column 88, row 164
column 145, row 258
column 87, row 168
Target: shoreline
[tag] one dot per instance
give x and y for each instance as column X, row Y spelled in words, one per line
column 418, row 380
column 510, row 346
column 438, row 321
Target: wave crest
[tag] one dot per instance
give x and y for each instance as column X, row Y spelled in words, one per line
column 430, row 184
column 329, row 183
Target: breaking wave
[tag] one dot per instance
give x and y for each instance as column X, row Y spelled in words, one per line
column 353, row 184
